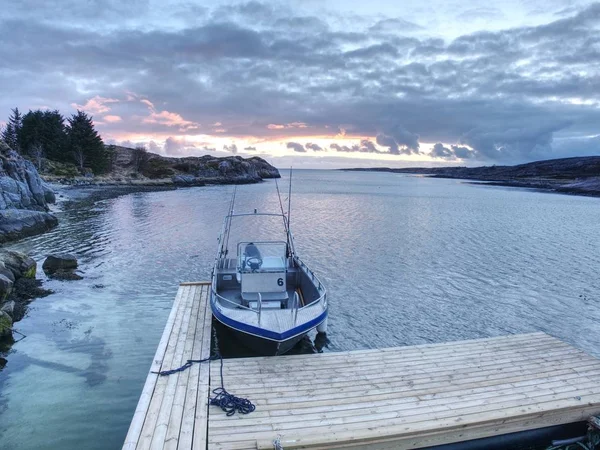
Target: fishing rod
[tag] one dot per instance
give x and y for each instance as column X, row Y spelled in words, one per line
column 285, row 222
column 228, row 226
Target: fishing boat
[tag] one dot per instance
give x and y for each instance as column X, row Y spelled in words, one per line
column 260, row 289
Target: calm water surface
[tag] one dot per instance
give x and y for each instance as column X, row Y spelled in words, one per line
column 407, row 260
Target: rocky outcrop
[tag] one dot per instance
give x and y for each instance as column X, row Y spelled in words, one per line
column 61, row 266
column 18, row 286
column 158, row 170
column 23, row 198
column 210, row 170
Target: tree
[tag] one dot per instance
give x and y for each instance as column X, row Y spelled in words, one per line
column 140, row 158
column 47, row 129
column 37, row 152
column 111, row 155
column 87, row 148
column 12, row 131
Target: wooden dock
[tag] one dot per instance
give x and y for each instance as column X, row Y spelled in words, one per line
column 393, row 398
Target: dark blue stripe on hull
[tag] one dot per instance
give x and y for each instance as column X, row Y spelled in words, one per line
column 267, row 334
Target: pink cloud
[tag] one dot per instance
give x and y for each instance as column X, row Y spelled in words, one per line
column 96, row 105
column 112, row 119
column 148, row 103
column 277, row 126
column 169, row 119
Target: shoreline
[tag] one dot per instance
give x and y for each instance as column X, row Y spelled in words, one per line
column 571, row 176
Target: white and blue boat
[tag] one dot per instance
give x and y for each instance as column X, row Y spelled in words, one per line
column 261, row 289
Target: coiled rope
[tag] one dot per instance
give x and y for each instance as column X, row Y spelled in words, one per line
column 223, row 399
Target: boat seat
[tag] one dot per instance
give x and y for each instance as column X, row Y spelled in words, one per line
column 265, row 296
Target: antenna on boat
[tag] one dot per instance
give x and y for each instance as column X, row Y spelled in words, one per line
column 289, row 199
column 224, row 249
column 286, row 221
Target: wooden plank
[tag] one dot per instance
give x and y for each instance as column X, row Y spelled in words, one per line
column 422, row 383
column 407, row 402
column 520, row 383
column 159, row 390
column 202, row 412
column 175, row 420
column 407, row 407
column 135, row 428
column 407, row 353
column 423, row 349
column 295, row 377
column 187, row 426
column 166, row 406
column 195, row 283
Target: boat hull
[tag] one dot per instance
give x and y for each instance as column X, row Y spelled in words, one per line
column 260, row 346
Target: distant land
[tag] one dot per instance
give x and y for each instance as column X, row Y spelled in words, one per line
column 578, row 176
column 129, row 166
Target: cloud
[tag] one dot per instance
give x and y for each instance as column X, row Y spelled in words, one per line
column 313, row 147
column 278, row 126
column 451, row 153
column 506, row 93
column 365, row 146
column 153, row 147
column 112, row 118
column 177, row 146
column 169, row 119
column 250, row 149
column 296, row 147
column 96, row 105
column 231, row 148
column 399, row 141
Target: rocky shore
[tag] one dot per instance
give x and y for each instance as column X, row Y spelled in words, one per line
column 577, row 176
column 24, row 198
column 18, row 286
column 25, row 194
column 162, row 171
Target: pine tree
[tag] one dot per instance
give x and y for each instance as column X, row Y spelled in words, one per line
column 45, row 129
column 86, row 145
column 12, row 132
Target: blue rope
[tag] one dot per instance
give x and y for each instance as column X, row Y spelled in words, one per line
column 229, row 402
column 223, row 399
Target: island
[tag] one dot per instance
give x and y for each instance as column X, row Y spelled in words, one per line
column 577, row 175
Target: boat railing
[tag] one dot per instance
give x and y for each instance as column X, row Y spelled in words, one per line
column 294, row 307
column 322, row 300
column 222, row 299
column 259, row 307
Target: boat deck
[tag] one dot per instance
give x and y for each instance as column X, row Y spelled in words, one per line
column 394, row 398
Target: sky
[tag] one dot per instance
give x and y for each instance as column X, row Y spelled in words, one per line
column 317, row 83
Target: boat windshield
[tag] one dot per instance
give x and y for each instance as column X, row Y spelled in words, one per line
column 261, row 256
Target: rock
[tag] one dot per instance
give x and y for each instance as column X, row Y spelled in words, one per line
column 26, row 289
column 6, row 272
column 19, row 223
column 49, row 195
column 65, row 275
column 6, row 287
column 20, row 264
column 9, row 308
column 3, row 362
column 184, row 180
column 59, row 262
column 23, row 198
column 5, row 324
